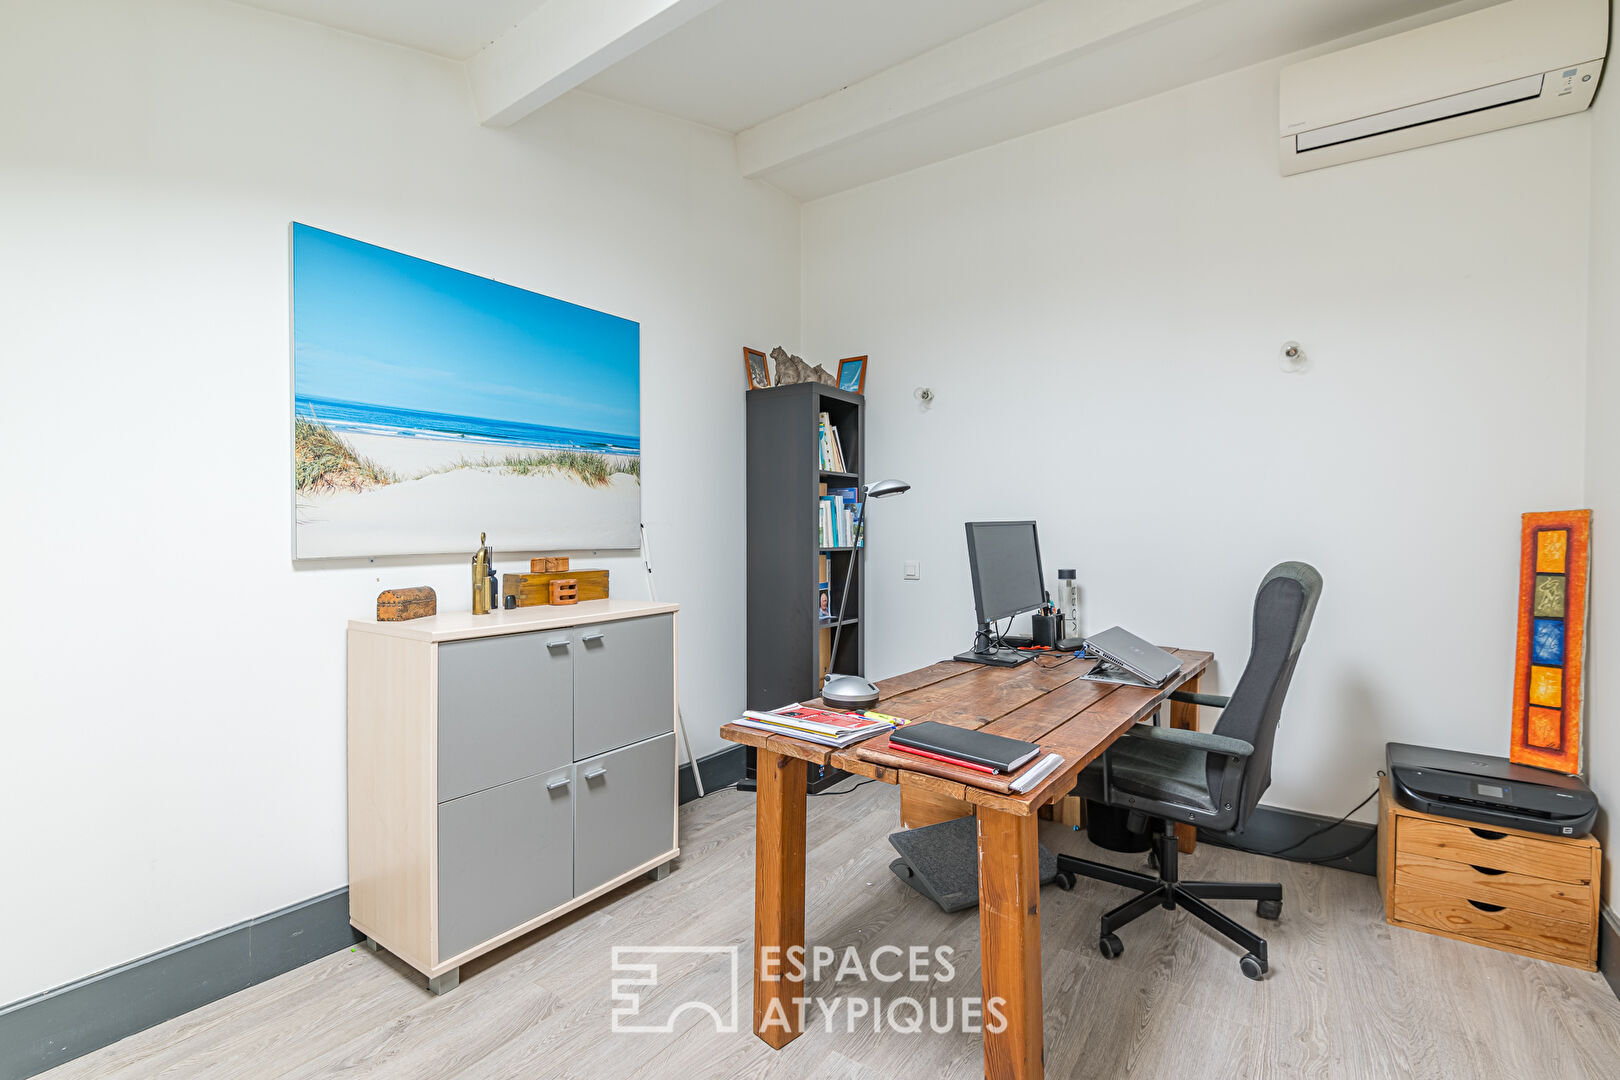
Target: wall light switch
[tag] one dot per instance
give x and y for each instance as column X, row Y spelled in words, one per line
column 913, row 570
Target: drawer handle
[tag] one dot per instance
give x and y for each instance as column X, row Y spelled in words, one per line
column 560, row 782
column 560, row 643
column 1486, row 834
column 1486, row 907
column 1486, row 869
column 595, row 774
column 587, row 638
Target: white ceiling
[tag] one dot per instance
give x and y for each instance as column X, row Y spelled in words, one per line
column 749, row 60
column 451, row 28
column 826, row 95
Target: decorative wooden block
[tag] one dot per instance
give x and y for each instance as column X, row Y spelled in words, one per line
column 1517, row 891
column 1552, row 640
column 401, row 605
column 549, row 565
column 564, row 591
column 532, row 589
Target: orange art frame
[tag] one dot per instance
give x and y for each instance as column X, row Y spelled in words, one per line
column 1548, row 669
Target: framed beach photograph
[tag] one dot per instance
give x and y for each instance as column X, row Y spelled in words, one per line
column 759, row 372
column 852, row 375
column 431, row 405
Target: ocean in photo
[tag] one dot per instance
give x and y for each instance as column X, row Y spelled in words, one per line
column 360, row 418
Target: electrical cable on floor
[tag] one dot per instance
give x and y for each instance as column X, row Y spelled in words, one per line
column 846, row 791
column 1282, row 853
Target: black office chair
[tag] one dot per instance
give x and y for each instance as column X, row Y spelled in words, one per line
column 1209, row 779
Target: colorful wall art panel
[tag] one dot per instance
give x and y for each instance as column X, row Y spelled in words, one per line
column 431, row 405
column 1552, row 640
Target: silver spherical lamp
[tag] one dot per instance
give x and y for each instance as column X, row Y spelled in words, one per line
column 852, row 691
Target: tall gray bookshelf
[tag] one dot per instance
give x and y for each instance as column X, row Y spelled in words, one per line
column 788, row 643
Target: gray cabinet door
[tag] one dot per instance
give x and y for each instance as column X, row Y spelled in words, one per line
column 624, row 683
column 505, row 856
column 505, row 710
column 624, row 810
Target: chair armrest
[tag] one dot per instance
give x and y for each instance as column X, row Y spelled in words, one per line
column 1212, row 701
column 1198, row 740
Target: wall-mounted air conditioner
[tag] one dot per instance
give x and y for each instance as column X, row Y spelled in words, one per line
column 1513, row 63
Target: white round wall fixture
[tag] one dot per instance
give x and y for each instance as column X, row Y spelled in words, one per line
column 1291, row 358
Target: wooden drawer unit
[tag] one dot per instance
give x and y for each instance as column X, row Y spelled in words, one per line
column 1522, row 892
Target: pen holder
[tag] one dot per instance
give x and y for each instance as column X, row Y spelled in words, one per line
column 1046, row 629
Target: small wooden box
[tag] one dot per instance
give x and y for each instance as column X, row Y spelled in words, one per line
column 532, row 589
column 402, row 605
column 1521, row 892
column 564, row 590
column 549, row 565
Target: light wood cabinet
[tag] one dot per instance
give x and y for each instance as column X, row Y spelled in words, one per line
column 505, row 769
column 1522, row 892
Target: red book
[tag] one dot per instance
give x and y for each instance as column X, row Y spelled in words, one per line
column 976, row 767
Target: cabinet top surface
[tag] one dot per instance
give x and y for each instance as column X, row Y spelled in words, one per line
column 455, row 625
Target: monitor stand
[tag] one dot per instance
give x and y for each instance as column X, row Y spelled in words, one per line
column 989, row 655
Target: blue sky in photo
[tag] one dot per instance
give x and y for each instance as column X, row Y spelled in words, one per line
column 375, row 326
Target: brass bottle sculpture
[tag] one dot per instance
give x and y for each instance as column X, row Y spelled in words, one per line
column 483, row 579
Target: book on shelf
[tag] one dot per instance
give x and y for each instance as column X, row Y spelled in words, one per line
column 831, row 448
column 822, row 726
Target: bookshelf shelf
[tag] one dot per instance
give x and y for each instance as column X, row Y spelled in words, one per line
column 788, row 645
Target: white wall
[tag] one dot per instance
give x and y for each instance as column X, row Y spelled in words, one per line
column 1115, row 291
column 1603, row 474
column 173, row 685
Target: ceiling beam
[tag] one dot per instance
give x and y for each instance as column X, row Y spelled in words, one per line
column 1019, row 45
column 560, row 45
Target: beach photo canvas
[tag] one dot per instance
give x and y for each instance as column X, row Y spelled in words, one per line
column 430, row 405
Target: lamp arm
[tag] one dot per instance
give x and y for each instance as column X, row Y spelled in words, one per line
column 854, row 561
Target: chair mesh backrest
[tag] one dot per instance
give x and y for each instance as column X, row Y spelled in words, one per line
column 1282, row 614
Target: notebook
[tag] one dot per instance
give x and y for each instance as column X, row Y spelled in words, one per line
column 996, row 752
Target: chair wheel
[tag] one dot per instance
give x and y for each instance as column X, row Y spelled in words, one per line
column 1110, row 946
column 1064, row 881
column 1268, row 909
column 1254, row 967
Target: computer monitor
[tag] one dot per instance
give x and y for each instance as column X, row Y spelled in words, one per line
column 1004, row 558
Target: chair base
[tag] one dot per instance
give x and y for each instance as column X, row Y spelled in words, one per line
column 1167, row 891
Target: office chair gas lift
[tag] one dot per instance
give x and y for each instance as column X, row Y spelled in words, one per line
column 1212, row 780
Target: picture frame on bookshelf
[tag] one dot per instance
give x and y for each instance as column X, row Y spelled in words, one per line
column 759, row 372
column 852, row 375
column 825, row 610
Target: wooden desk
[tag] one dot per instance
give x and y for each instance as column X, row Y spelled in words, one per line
column 1044, row 702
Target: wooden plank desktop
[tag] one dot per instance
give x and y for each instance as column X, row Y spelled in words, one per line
column 1045, row 702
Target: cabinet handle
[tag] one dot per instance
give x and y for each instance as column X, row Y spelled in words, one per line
column 1487, row 834
column 1486, row 907
column 560, row 643
column 595, row 774
column 597, row 636
column 560, row 782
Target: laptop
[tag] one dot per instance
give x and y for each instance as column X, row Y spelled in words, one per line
column 1129, row 655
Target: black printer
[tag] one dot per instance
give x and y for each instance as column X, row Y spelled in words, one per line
column 1489, row 790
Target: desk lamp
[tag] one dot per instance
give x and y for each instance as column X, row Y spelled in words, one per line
column 852, row 691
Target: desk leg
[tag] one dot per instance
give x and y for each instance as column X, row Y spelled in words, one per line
column 1185, row 717
column 1010, row 944
column 778, row 896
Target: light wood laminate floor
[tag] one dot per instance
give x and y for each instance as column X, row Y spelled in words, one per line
column 1348, row 996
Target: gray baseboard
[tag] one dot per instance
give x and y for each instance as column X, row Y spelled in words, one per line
column 43, row 1031
column 720, row 769
column 1609, row 948
column 1273, row 829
